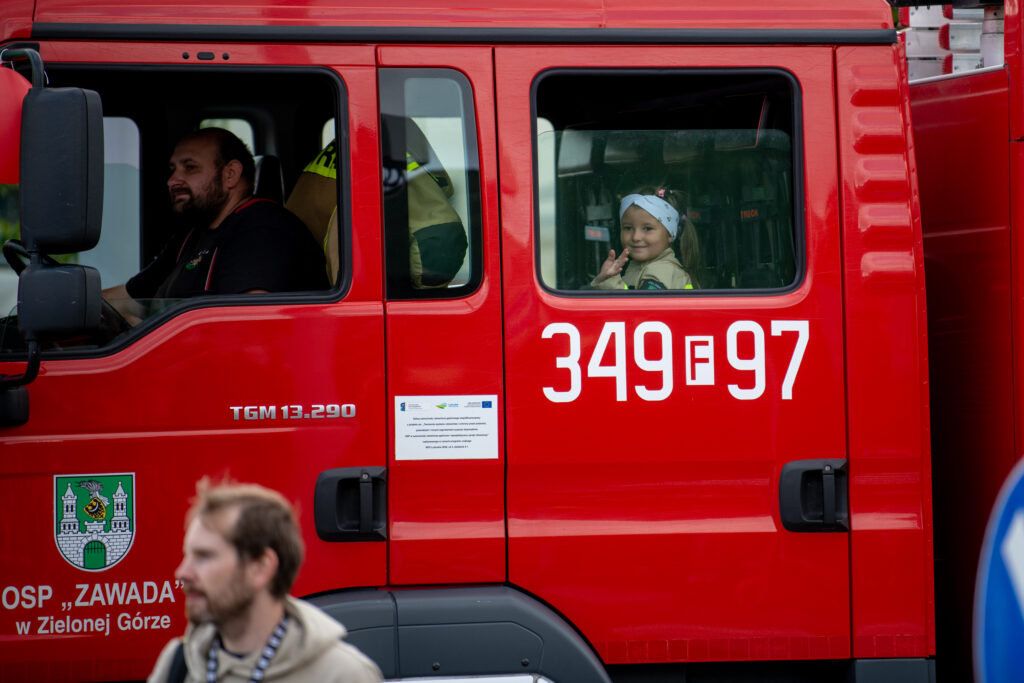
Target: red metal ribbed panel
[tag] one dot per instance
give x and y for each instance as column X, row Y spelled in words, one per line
column 890, row 477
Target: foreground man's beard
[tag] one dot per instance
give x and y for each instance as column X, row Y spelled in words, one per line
column 234, row 600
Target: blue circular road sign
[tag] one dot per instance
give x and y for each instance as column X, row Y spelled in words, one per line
column 999, row 593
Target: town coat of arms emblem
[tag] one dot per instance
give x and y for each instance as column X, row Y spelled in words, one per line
column 94, row 518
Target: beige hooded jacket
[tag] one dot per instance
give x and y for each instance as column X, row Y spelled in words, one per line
column 312, row 650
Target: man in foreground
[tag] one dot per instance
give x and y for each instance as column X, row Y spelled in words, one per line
column 242, row 551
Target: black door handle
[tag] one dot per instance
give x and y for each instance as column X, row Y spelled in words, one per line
column 350, row 504
column 813, row 495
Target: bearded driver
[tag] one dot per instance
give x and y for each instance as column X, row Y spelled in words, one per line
column 228, row 242
column 242, row 551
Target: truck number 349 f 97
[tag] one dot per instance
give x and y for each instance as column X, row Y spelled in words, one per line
column 699, row 358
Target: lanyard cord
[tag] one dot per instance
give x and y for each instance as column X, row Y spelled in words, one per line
column 258, row 671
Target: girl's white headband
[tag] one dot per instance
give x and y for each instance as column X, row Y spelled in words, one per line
column 657, row 207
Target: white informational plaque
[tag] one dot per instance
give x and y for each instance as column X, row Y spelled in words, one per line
column 446, row 427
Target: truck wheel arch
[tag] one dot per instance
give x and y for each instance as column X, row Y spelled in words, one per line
column 462, row 631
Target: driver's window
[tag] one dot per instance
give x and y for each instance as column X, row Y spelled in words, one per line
column 182, row 247
column 116, row 257
column 117, row 254
column 9, row 229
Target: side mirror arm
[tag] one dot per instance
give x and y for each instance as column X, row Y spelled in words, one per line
column 31, row 371
column 14, row 393
column 34, row 60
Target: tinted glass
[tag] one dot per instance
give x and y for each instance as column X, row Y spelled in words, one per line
column 716, row 146
column 431, row 183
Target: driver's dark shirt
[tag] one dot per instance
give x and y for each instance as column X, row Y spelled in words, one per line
column 261, row 245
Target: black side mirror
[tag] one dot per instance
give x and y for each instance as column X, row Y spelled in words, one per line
column 61, row 176
column 57, row 301
column 61, row 170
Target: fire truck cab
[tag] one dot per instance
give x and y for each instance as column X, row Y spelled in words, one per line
column 509, row 471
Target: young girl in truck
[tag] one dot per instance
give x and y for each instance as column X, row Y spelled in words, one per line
column 650, row 220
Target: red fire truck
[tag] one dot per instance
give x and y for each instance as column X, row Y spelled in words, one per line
column 509, row 473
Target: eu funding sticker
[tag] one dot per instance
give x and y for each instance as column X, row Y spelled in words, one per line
column 94, row 518
column 446, row 427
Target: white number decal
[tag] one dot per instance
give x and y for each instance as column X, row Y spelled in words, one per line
column 570, row 363
column 663, row 364
column 699, row 352
column 618, row 368
column 754, row 364
column 801, row 328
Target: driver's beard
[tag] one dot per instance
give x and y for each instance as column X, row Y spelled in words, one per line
column 202, row 208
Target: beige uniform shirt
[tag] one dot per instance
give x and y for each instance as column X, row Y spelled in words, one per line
column 663, row 272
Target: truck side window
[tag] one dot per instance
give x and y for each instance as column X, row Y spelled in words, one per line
column 116, row 255
column 118, row 249
column 278, row 112
column 9, row 229
column 719, row 143
column 431, row 184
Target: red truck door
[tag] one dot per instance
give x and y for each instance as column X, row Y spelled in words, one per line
column 274, row 389
column 444, row 357
column 652, row 433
